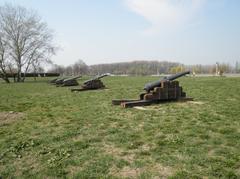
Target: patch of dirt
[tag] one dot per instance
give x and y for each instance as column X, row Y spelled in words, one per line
column 162, row 171
column 211, row 152
column 148, row 108
column 9, row 117
column 145, row 147
column 238, row 171
column 73, row 170
column 126, row 172
column 196, row 102
column 111, row 149
column 141, row 108
column 77, row 138
column 138, row 127
column 128, row 157
column 28, row 162
column 119, row 153
column 158, row 170
column 113, row 124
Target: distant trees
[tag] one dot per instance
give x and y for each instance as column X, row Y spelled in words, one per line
column 211, row 69
column 140, row 68
column 25, row 41
column 223, row 68
column 237, row 67
column 177, row 69
column 80, row 68
column 57, row 69
column 130, row 68
column 134, row 68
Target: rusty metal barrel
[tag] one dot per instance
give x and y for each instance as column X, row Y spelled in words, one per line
column 151, row 86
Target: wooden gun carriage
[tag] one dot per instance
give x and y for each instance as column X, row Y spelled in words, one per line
column 156, row 92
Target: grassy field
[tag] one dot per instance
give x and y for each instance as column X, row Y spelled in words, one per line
column 49, row 132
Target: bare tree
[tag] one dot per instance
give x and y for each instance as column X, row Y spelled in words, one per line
column 28, row 38
column 3, row 59
column 80, row 67
column 57, row 69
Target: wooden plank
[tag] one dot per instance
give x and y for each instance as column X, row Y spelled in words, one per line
column 138, row 103
column 86, row 89
column 149, row 102
column 119, row 101
column 78, row 89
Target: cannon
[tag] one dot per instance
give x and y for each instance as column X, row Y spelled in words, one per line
column 92, row 84
column 164, row 90
column 59, row 81
column 65, row 81
column 150, row 86
column 53, row 81
column 71, row 81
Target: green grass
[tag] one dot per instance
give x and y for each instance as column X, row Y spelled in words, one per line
column 56, row 133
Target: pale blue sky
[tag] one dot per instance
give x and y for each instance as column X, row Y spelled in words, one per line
column 105, row 31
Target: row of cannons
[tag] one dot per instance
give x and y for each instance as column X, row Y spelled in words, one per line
column 164, row 90
column 94, row 83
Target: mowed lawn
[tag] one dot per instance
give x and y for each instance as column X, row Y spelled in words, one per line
column 49, row 132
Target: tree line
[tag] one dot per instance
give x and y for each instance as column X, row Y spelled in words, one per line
column 123, row 68
column 142, row 68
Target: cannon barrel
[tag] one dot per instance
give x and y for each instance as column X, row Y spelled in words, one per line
column 103, row 75
column 96, row 78
column 72, row 78
column 60, row 80
column 151, row 86
column 52, row 81
column 178, row 75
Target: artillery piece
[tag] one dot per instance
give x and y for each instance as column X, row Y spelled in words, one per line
column 65, row 81
column 71, row 81
column 59, row 81
column 92, row 84
column 53, row 81
column 163, row 90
